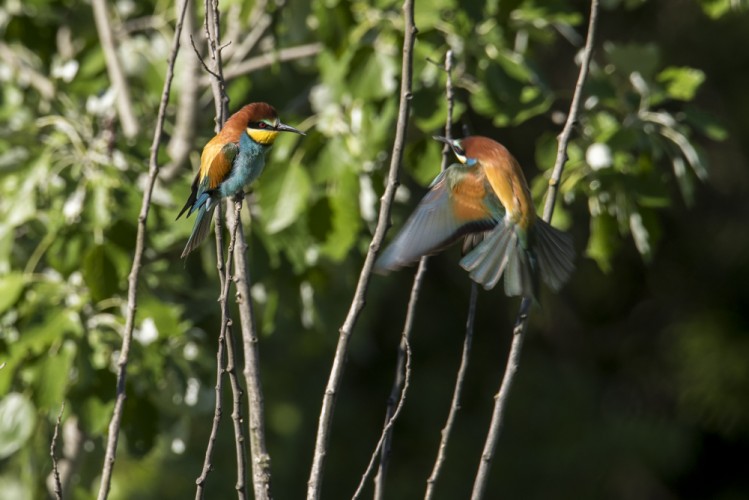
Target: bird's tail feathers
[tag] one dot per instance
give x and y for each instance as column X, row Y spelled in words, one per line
column 201, row 228
column 555, row 254
column 547, row 254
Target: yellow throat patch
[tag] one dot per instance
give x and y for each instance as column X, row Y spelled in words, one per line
column 265, row 137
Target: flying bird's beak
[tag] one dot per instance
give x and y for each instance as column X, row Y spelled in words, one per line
column 282, row 127
column 441, row 139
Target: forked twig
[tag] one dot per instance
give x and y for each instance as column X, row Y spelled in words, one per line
column 140, row 243
column 314, row 484
column 518, row 333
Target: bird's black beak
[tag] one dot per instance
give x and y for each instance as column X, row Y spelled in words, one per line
column 281, row 127
column 442, row 139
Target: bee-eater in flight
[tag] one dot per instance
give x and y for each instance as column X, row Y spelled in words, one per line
column 233, row 159
column 485, row 193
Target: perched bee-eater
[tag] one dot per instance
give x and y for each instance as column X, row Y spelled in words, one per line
column 485, row 193
column 233, row 159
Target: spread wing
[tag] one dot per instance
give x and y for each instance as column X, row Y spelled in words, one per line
column 459, row 202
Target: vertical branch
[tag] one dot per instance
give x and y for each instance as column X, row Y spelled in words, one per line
column 314, row 484
column 518, row 333
column 237, row 241
column 53, row 456
column 468, row 339
column 400, row 376
column 258, row 451
column 387, row 430
column 114, row 69
column 140, row 243
column 402, row 373
column 457, row 392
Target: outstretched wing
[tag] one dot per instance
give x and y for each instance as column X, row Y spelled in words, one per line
column 459, row 202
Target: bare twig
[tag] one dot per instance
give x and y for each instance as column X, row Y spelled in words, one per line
column 379, row 479
column 513, row 360
column 217, row 409
column 221, row 102
column 468, row 340
column 140, row 243
column 314, row 484
column 258, row 451
column 387, row 430
column 260, row 21
column 53, row 455
column 217, row 412
column 399, row 384
column 236, row 412
column 457, row 392
column 218, row 83
column 183, row 137
column 114, row 69
column 264, row 60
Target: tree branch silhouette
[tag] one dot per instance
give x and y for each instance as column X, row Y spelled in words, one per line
column 314, row 484
column 401, row 363
column 140, row 243
column 518, row 333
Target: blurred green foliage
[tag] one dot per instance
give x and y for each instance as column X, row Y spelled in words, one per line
column 638, row 377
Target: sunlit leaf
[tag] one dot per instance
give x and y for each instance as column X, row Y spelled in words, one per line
column 100, row 272
column 17, row 421
column 11, row 286
column 681, row 83
column 290, row 199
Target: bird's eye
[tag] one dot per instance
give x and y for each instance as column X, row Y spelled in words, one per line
column 262, row 125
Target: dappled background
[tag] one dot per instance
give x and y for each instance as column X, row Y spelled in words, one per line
column 634, row 380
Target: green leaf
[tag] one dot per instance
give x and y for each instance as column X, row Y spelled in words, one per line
column 100, row 273
column 681, row 83
column 17, row 422
column 603, row 241
column 286, row 200
column 346, row 220
column 630, row 58
column 53, row 377
column 11, row 286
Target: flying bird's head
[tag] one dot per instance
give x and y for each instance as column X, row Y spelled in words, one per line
column 470, row 150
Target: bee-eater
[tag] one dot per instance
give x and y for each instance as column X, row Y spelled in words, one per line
column 486, row 192
column 233, row 159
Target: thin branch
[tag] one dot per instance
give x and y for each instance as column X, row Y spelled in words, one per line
column 314, row 484
column 140, row 243
column 457, row 393
column 53, row 455
column 264, row 60
column 114, row 69
column 183, row 136
column 518, row 333
column 258, row 451
column 468, row 340
column 387, row 430
column 379, row 479
column 402, row 375
column 236, row 412
column 217, row 409
column 218, row 88
column 260, row 21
